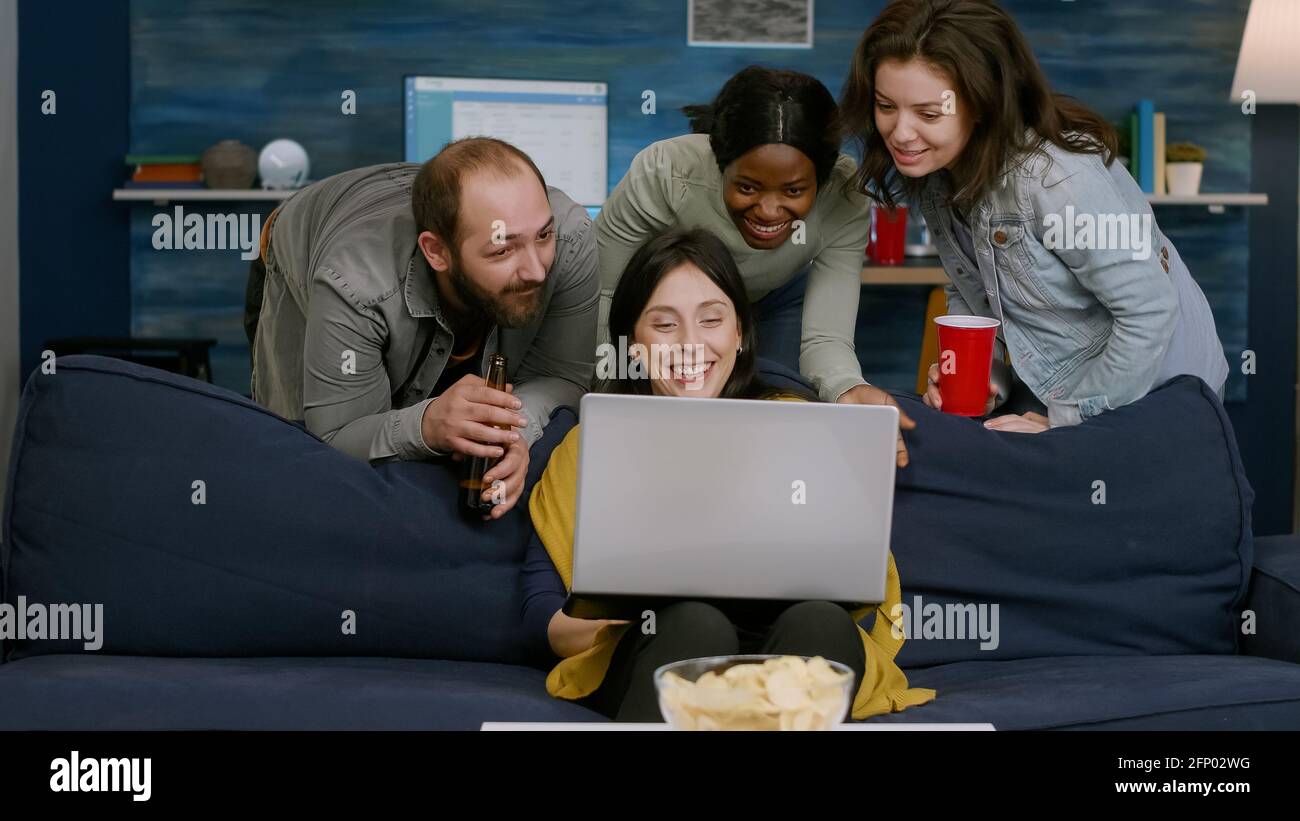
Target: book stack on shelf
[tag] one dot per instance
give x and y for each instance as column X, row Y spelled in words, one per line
column 179, row 171
column 1147, row 152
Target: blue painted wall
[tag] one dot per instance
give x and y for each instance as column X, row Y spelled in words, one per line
column 74, row 275
column 254, row 71
column 161, row 76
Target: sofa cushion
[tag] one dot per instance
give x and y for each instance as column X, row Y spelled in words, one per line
column 776, row 375
column 1112, row 692
column 1129, row 534
column 291, row 533
column 1274, row 600
column 93, row 692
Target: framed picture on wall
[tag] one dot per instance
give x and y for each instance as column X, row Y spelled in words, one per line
column 750, row 23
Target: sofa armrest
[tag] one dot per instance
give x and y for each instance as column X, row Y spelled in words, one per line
column 1274, row 597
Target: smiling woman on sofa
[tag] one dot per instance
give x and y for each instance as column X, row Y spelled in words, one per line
column 682, row 294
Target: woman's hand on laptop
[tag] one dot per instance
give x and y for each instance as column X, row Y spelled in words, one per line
column 871, row 395
column 511, row 472
column 569, row 636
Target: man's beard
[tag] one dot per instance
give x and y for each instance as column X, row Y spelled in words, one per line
column 514, row 307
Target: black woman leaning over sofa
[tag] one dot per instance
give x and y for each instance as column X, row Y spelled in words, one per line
column 681, row 292
column 763, row 171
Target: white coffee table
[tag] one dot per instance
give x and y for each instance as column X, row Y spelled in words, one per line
column 555, row 726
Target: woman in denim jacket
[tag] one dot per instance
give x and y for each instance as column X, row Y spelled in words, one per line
column 1035, row 223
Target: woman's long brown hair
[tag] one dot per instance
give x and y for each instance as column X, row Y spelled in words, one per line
column 988, row 60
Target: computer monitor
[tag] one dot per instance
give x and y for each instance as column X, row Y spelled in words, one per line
column 561, row 125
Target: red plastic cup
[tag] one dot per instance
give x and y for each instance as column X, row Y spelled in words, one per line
column 965, row 362
column 888, row 235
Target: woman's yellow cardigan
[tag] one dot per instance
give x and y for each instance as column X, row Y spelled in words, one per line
column 884, row 686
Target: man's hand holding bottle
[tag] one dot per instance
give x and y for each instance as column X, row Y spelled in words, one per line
column 473, row 419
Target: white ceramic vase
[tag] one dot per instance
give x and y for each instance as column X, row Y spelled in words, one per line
column 1184, row 178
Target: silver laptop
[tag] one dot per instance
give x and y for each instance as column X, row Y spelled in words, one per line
column 719, row 499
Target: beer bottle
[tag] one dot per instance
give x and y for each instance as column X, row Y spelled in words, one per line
column 471, row 480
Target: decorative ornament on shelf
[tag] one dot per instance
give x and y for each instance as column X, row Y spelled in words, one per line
column 1185, row 163
column 229, row 164
column 283, row 165
column 1124, row 144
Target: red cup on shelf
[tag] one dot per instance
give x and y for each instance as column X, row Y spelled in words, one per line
column 965, row 362
column 888, row 235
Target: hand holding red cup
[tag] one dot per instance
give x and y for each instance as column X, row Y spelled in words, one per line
column 965, row 364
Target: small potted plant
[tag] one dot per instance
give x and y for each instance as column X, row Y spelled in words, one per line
column 1184, row 164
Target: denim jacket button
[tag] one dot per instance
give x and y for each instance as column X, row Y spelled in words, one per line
column 1000, row 237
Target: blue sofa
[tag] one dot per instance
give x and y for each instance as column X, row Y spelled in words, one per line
column 251, row 577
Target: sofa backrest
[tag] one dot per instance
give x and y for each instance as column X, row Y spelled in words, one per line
column 1127, row 534
column 287, row 547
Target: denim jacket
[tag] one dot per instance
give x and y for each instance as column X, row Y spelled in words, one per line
column 1096, row 305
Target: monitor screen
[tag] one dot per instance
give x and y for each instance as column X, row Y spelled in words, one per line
column 561, row 125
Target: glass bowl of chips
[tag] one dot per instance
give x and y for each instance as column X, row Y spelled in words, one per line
column 754, row 692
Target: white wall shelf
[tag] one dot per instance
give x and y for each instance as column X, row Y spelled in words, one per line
column 1209, row 199
column 162, row 196
column 1215, row 202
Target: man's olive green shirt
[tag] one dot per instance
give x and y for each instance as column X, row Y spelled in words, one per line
column 350, row 338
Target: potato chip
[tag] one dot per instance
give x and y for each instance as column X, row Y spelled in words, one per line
column 783, row 693
column 788, row 690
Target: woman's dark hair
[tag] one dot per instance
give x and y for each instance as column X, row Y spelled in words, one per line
column 760, row 106
column 653, row 261
column 982, row 50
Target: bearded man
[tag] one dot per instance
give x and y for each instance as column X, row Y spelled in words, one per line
column 381, row 294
